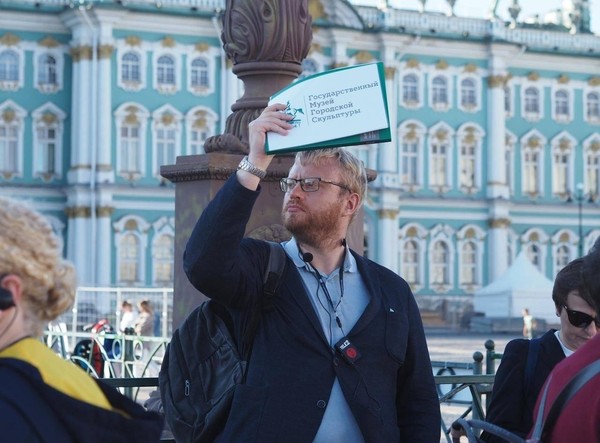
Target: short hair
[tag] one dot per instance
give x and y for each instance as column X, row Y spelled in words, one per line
column 30, row 249
column 569, row 279
column 591, row 274
column 354, row 174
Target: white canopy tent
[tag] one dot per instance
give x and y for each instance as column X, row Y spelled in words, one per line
column 521, row 286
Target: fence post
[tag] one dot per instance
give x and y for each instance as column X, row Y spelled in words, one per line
column 477, row 370
column 490, row 357
column 128, row 359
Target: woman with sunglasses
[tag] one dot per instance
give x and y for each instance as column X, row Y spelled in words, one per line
column 526, row 363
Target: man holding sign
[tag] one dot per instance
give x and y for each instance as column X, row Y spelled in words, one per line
column 341, row 356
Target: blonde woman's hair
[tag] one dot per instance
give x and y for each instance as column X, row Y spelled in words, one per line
column 30, row 249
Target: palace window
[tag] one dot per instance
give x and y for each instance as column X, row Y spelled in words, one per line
column 47, row 74
column 440, row 264
column 439, row 93
column 130, row 68
column 200, row 74
column 468, row 94
column 592, row 105
column 410, row 262
column 410, row 89
column 561, row 105
column 163, row 255
column 9, row 66
column 532, row 107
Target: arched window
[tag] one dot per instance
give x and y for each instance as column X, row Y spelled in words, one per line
column 531, row 171
column 561, row 104
column 592, row 102
column 9, row 66
column 440, row 264
column 440, row 91
column 9, row 143
column 410, row 88
column 439, row 163
column 129, row 251
column 165, row 70
column 130, row 68
column 410, row 264
column 163, row 259
column 468, row 272
column 47, row 70
column 200, row 77
column 468, row 96
column 534, row 254
column 532, row 100
column 130, row 148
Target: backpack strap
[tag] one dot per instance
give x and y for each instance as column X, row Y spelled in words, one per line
column 542, row 426
column 529, row 374
column 271, row 280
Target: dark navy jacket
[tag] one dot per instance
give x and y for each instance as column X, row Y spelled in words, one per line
column 390, row 390
column 32, row 411
column 512, row 402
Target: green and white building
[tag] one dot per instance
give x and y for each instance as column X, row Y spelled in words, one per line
column 495, row 146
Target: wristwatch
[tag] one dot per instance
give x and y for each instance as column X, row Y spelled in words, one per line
column 245, row 165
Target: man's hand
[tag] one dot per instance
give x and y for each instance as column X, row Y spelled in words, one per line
column 270, row 120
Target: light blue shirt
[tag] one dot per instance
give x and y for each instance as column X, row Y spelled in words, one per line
column 338, row 424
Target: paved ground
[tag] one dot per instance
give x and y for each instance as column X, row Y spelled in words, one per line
column 458, row 347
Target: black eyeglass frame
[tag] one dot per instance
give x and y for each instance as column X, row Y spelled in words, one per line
column 581, row 319
column 285, row 184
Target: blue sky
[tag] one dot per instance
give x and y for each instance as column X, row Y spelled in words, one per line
column 479, row 8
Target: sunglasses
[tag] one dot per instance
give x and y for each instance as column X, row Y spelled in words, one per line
column 580, row 319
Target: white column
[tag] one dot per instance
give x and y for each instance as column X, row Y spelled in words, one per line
column 78, row 243
column 387, row 238
column 497, row 185
column 498, row 238
column 104, row 245
column 103, row 115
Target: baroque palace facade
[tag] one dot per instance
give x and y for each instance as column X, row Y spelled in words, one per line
column 495, row 146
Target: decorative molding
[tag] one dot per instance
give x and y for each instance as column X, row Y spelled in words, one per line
column 9, row 115
column 390, row 72
column 316, row 10
column 202, row 47
column 390, row 214
column 470, row 67
column 499, row 223
column 104, row 211
column 168, row 42
column 533, row 76
column 78, row 212
column 133, row 40
column 441, row 134
column 9, row 39
column 594, row 81
column 563, row 79
column 441, row 65
column 413, row 63
column 49, row 42
column 363, row 57
column 79, row 53
column 496, row 81
column 105, row 51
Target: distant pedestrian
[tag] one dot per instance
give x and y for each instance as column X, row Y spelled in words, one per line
column 144, row 324
column 527, row 324
column 127, row 317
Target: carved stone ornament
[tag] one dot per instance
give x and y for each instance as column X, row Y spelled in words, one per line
column 594, row 81
column 533, row 76
column 412, row 63
column 441, row 65
column 496, row 81
column 133, row 40
column 49, row 42
column 563, row 79
column 363, row 57
column 267, row 41
column 9, row 39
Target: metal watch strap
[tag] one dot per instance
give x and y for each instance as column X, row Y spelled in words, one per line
column 245, row 165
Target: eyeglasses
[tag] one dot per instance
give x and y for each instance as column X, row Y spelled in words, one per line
column 580, row 319
column 310, row 184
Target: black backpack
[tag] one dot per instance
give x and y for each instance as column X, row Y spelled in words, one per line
column 203, row 364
